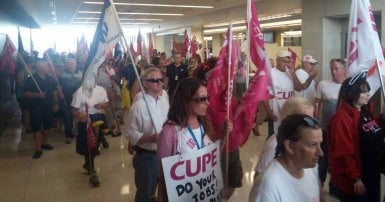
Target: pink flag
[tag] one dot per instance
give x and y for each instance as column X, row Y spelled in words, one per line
column 186, row 43
column 82, row 46
column 150, row 45
column 293, row 57
column 139, row 44
column 174, row 48
column 133, row 52
column 217, row 86
column 259, row 86
column 6, row 59
column 193, row 46
column 144, row 50
column 363, row 43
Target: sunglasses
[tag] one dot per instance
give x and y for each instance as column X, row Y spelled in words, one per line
column 200, row 99
column 361, row 75
column 155, row 80
column 311, row 121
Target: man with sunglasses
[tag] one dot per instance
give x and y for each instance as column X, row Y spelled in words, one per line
column 145, row 121
column 292, row 175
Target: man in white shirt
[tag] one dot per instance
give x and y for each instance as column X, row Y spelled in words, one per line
column 326, row 97
column 283, row 88
column 144, row 125
column 287, row 177
column 303, row 78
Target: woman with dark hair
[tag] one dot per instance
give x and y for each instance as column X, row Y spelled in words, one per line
column 292, row 175
column 188, row 127
column 355, row 144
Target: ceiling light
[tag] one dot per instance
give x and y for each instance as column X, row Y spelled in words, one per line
column 130, row 13
column 219, row 30
column 123, row 19
column 297, row 22
column 292, row 33
column 152, row 5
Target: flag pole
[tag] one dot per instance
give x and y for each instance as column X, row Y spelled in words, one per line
column 381, row 80
column 229, row 91
column 248, row 42
column 55, row 77
column 29, row 71
column 136, row 71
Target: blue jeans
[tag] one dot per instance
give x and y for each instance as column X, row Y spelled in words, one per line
column 146, row 175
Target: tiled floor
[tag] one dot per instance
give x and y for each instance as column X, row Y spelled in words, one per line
column 58, row 175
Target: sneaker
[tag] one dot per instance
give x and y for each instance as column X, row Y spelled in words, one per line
column 116, row 134
column 94, row 181
column 47, row 147
column 105, row 144
column 37, row 154
column 69, row 140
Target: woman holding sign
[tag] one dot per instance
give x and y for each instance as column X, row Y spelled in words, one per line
column 188, row 127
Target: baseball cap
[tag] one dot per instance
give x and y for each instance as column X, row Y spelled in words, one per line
column 283, row 54
column 310, row 59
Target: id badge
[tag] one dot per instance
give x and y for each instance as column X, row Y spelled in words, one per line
column 176, row 78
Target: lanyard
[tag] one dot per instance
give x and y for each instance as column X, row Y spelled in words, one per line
column 193, row 136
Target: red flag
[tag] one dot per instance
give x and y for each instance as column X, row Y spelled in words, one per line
column 217, row 86
column 259, row 86
column 150, row 45
column 293, row 57
column 174, row 48
column 139, row 44
column 91, row 137
column 19, row 41
column 186, row 43
column 363, row 43
column 6, row 59
column 82, row 46
column 133, row 52
column 194, row 46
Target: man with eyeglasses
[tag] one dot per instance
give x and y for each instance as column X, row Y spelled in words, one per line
column 175, row 72
column 326, row 97
column 283, row 88
column 144, row 125
column 292, row 175
column 303, row 78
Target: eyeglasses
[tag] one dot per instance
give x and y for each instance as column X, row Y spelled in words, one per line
column 311, row 121
column 200, row 99
column 155, row 80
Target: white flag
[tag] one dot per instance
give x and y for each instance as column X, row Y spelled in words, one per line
column 107, row 34
column 364, row 44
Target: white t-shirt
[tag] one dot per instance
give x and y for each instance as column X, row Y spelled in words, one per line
column 99, row 95
column 267, row 154
column 284, row 89
column 186, row 142
column 276, row 184
column 327, row 90
column 139, row 121
column 309, row 92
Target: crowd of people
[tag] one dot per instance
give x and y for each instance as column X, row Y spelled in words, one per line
column 168, row 114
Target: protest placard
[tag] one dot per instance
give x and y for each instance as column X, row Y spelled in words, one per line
column 194, row 176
